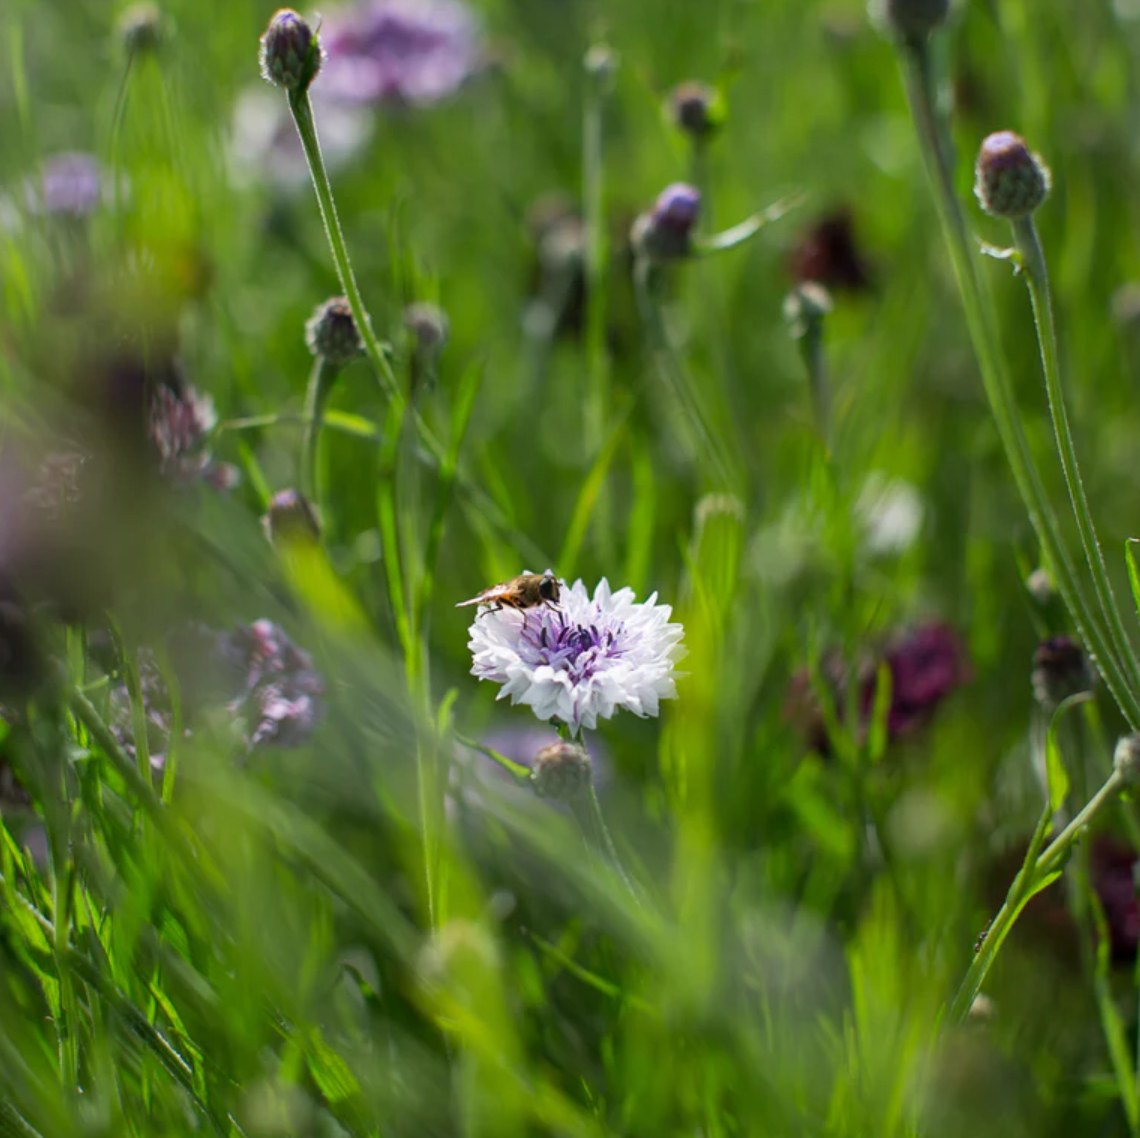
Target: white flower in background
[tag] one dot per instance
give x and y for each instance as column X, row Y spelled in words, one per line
column 582, row 660
column 891, row 512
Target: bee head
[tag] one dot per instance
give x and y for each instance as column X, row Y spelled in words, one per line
column 548, row 587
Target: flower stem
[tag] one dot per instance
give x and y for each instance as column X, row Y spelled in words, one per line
column 1035, row 869
column 1037, row 278
column 302, row 109
column 999, row 390
column 321, row 382
column 607, row 842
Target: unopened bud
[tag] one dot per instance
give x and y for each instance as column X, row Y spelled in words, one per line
column 1060, row 670
column 1039, row 585
column 141, row 28
column 601, row 62
column 805, row 308
column 1126, row 759
column 697, row 109
column 428, row 326
column 331, row 332
column 291, row 518
column 290, row 52
column 562, row 771
column 1011, row 181
column 912, row 21
column 665, row 233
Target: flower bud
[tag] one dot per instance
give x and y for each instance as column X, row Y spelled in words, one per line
column 141, row 28
column 562, row 771
column 331, row 332
column 805, row 308
column 1060, row 670
column 1039, row 585
column 1011, row 181
column 666, row 232
column 696, row 109
column 911, row 20
column 1126, row 759
column 291, row 518
column 290, row 52
column 428, row 326
column 601, row 62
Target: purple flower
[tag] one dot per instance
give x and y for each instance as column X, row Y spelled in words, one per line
column 925, row 666
column 180, row 423
column 583, row 659
column 280, row 694
column 70, row 185
column 413, row 52
column 666, row 232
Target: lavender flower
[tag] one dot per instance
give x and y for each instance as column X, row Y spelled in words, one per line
column 280, row 691
column 585, row 658
column 70, row 185
column 413, row 52
column 180, row 423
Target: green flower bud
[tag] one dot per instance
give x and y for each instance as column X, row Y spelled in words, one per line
column 331, row 332
column 562, row 771
column 141, row 28
column 1126, row 759
column 696, row 109
column 911, row 21
column 290, row 52
column 291, row 518
column 1011, row 181
column 805, row 308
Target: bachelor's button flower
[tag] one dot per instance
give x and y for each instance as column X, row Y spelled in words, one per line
column 665, row 233
column 582, row 660
column 404, row 52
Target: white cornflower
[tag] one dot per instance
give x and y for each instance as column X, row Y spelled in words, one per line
column 582, row 659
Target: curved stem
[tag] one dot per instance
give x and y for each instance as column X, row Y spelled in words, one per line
column 999, row 390
column 321, row 381
column 1037, row 278
column 1024, row 886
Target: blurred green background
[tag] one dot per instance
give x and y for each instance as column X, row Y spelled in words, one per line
column 262, row 955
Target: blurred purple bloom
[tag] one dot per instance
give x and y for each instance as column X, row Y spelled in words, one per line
column 70, row 185
column 157, row 711
column 677, row 207
column 414, row 52
column 925, row 666
column 1113, row 871
column 666, row 232
column 281, row 691
column 180, row 424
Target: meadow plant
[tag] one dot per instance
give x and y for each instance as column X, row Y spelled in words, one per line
column 273, row 862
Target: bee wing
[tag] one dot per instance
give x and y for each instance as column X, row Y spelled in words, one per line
column 486, row 597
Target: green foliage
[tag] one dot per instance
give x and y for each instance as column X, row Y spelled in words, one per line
column 761, row 922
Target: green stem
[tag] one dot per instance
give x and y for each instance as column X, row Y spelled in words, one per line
column 1037, row 278
column 811, row 350
column 596, row 259
column 995, row 377
column 1024, row 886
column 302, row 110
column 608, row 845
column 321, row 382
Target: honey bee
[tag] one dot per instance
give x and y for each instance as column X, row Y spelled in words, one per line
column 527, row 591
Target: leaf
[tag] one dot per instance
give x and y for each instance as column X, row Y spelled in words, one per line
column 880, row 713
column 330, row 1072
column 1133, row 570
column 1056, row 776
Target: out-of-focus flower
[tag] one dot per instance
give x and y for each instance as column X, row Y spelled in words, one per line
column 281, row 692
column 291, row 518
column 404, row 52
column 69, row 185
column 264, row 145
column 697, row 109
column 584, row 658
column 665, row 233
column 829, row 254
column 180, row 423
column 925, row 666
column 157, row 713
column 891, row 513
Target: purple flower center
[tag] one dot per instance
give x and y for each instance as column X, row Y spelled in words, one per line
column 567, row 646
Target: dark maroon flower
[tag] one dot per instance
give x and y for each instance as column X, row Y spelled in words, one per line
column 407, row 52
column 925, row 666
column 829, row 255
